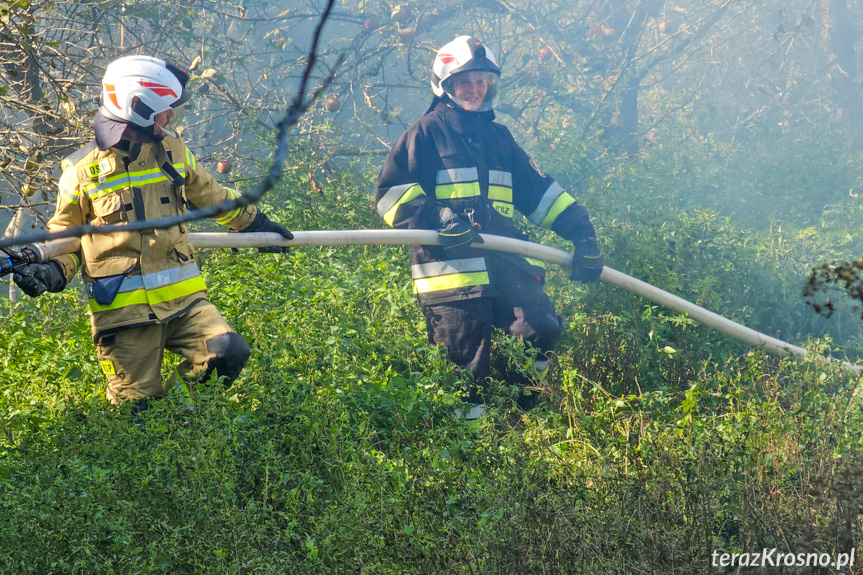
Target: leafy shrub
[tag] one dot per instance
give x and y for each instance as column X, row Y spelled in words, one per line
column 656, row 441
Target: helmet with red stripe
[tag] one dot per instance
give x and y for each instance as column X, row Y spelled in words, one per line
column 459, row 57
column 136, row 88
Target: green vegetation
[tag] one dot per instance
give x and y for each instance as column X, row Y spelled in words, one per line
column 717, row 145
column 656, row 443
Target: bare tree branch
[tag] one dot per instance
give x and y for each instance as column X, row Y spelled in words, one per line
column 295, row 111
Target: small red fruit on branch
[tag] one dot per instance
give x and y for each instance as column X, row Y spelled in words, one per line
column 370, row 25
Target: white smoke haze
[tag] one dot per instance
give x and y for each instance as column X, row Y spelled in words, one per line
column 644, row 108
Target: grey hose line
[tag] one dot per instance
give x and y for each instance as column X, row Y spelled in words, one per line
column 496, row 243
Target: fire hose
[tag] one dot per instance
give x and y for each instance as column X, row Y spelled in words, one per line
column 202, row 240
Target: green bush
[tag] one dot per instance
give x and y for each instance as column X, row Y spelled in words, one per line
column 656, row 441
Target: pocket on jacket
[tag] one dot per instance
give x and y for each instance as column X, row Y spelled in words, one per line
column 184, row 252
column 105, row 290
column 108, row 209
column 171, row 202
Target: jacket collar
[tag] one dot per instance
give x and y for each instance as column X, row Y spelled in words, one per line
column 461, row 120
column 443, row 104
column 110, row 133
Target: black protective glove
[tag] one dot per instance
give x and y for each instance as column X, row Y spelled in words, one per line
column 262, row 223
column 36, row 279
column 457, row 233
column 586, row 261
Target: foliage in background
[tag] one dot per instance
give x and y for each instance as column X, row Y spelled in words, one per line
column 621, row 74
column 710, row 141
column 656, row 442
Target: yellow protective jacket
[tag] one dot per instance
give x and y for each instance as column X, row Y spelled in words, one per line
column 153, row 273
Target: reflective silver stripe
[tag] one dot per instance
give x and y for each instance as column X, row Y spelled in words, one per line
column 160, row 279
column 170, row 277
column 68, row 192
column 392, row 197
column 152, row 176
column 548, row 198
column 131, row 283
column 435, row 269
column 496, row 178
column 111, row 184
column 457, row 175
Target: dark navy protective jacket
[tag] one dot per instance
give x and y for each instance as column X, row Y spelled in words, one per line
column 466, row 161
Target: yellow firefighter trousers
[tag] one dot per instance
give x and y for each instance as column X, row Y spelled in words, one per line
column 131, row 358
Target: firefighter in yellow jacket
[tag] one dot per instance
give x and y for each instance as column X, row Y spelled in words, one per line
column 146, row 291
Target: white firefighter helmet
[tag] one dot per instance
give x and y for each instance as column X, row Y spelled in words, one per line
column 466, row 54
column 136, row 88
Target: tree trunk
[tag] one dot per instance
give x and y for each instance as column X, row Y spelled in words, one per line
column 627, row 18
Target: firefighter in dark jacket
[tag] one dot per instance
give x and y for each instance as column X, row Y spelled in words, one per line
column 457, row 171
column 146, row 291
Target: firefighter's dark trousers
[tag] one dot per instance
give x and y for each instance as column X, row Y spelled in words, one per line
column 132, row 358
column 464, row 327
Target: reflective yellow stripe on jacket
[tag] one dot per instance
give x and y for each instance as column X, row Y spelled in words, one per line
column 190, row 159
column 68, row 191
column 449, row 274
column 234, row 194
column 500, row 192
column 457, row 183
column 156, row 288
column 388, row 206
column 130, row 179
column 553, row 202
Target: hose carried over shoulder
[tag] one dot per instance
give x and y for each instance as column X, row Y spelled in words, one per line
column 492, row 242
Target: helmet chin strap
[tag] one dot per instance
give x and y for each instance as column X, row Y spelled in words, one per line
column 166, row 132
column 168, row 127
